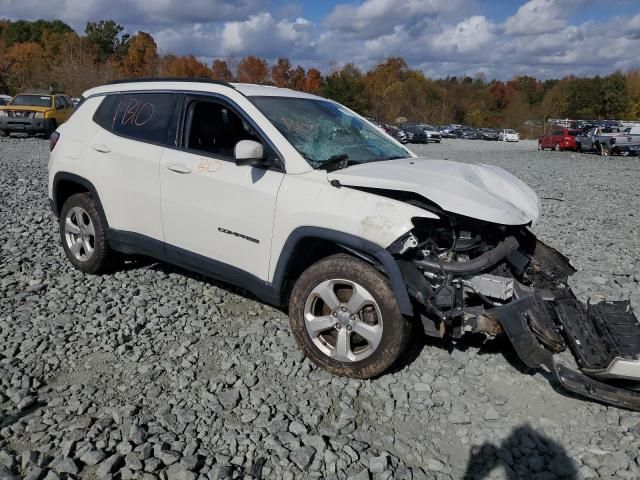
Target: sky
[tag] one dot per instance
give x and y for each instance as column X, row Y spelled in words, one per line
column 495, row 38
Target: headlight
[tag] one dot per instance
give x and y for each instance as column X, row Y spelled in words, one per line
column 3, row 113
column 39, row 115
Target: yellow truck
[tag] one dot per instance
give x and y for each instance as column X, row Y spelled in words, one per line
column 35, row 112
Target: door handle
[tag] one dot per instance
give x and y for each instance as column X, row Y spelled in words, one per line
column 178, row 168
column 101, row 148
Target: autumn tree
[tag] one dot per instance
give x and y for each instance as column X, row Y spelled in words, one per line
column 141, row 59
column 220, row 71
column 313, row 81
column 281, row 73
column 253, row 70
column 26, row 66
column 186, row 67
column 297, row 81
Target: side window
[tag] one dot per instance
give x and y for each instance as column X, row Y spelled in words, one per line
column 150, row 117
column 214, row 128
column 58, row 102
column 67, row 102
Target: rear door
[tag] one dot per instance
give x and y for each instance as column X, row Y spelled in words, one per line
column 213, row 209
column 125, row 156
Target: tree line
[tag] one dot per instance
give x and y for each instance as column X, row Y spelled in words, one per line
column 45, row 54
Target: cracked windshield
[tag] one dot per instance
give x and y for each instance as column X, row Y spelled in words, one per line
column 327, row 135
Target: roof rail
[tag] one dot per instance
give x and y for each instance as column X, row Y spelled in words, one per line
column 38, row 91
column 169, row 79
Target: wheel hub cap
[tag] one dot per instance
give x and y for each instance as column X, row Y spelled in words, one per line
column 343, row 320
column 79, row 234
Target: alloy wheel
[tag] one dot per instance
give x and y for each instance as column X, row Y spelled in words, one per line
column 79, row 234
column 343, row 320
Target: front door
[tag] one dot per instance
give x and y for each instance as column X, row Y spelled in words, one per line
column 211, row 207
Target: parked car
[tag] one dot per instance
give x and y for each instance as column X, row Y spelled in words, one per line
column 559, row 139
column 468, row 133
column 446, row 131
column 34, row 112
column 433, row 134
column 362, row 241
column 398, row 134
column 415, row 134
column 488, row 134
column 4, row 99
column 610, row 141
column 508, row 135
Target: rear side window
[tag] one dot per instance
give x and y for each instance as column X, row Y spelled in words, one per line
column 557, row 133
column 150, row 117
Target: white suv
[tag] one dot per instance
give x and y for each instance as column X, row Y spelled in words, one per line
column 307, row 205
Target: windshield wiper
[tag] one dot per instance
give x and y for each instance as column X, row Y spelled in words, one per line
column 336, row 162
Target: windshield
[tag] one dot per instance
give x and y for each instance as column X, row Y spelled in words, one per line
column 31, row 101
column 322, row 131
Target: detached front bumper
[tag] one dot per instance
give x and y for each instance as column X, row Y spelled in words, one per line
column 27, row 125
column 604, row 339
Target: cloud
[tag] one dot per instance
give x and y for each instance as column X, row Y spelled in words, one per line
column 374, row 17
column 470, row 35
column 141, row 13
column 262, row 34
column 451, row 37
column 535, row 17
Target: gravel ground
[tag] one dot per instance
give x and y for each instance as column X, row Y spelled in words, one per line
column 153, row 371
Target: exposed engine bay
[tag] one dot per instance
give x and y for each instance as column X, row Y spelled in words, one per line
column 469, row 276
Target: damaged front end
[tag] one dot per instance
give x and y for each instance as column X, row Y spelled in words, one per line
column 470, row 276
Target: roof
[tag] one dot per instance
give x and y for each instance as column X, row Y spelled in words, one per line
column 184, row 84
column 253, row 90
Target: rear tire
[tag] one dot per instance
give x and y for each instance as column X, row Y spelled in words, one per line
column 579, row 148
column 540, row 147
column 83, row 235
column 332, row 303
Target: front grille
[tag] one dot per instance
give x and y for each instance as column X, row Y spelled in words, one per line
column 21, row 114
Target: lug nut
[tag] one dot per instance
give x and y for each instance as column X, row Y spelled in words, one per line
column 338, row 326
column 344, row 309
column 334, row 314
column 349, row 328
column 352, row 317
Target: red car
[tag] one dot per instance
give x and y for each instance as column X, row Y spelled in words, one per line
column 559, row 139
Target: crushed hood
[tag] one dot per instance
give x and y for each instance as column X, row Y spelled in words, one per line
column 484, row 192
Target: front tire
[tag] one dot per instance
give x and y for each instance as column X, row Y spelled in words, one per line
column 83, row 235
column 345, row 317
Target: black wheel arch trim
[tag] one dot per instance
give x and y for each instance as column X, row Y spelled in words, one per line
column 298, row 236
column 83, row 182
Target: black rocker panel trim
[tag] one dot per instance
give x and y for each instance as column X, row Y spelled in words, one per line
column 134, row 243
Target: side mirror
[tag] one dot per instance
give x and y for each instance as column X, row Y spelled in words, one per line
column 249, row 152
